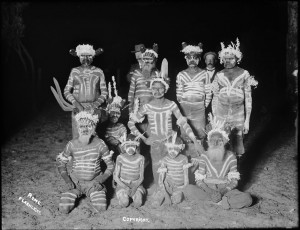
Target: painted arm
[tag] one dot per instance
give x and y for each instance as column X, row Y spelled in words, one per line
column 103, row 89
column 63, row 158
column 208, row 92
column 248, row 103
column 138, row 182
column 131, row 93
column 179, row 88
column 117, row 172
column 215, row 94
column 106, row 157
column 139, row 118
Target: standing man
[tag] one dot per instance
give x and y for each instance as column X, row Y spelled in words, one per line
column 193, row 91
column 140, row 81
column 232, row 100
column 159, row 112
column 210, row 59
column 86, row 86
column 138, row 55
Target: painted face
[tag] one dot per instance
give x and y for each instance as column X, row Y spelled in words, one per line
column 158, row 89
column 138, row 56
column 192, row 60
column 210, row 60
column 114, row 116
column 216, row 140
column 173, row 151
column 130, row 149
column 86, row 59
column 85, row 128
column 230, row 61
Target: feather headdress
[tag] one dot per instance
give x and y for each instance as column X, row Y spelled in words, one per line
column 217, row 127
column 231, row 49
column 84, row 116
column 162, row 76
column 85, row 49
column 173, row 142
column 114, row 103
column 129, row 139
column 150, row 52
column 191, row 49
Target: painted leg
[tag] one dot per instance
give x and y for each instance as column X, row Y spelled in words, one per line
column 123, row 198
column 67, row 202
column 98, row 199
column 236, row 199
column 194, row 193
column 157, row 198
column 177, row 197
column 138, row 198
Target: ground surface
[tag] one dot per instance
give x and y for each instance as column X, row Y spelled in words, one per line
column 269, row 173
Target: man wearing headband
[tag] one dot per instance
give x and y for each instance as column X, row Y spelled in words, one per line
column 129, row 173
column 140, row 81
column 86, row 86
column 232, row 100
column 193, row 94
column 86, row 152
column 217, row 176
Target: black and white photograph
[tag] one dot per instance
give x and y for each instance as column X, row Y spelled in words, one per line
column 149, row 114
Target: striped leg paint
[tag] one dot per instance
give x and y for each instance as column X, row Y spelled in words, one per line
column 138, row 198
column 98, row 199
column 123, row 198
column 67, row 202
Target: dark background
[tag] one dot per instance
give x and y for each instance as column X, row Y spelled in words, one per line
column 52, row 29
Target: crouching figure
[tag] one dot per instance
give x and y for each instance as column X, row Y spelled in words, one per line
column 129, row 173
column 217, row 175
column 173, row 174
column 86, row 177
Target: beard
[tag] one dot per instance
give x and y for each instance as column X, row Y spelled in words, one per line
column 147, row 69
column 216, row 153
column 84, row 138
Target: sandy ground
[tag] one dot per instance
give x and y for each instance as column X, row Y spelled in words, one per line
column 269, row 173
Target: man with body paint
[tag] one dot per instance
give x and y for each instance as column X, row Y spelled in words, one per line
column 86, row 86
column 232, row 100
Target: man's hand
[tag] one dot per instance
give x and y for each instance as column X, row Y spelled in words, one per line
column 78, row 106
column 216, row 196
column 199, row 148
column 246, row 127
column 223, row 191
column 148, row 141
column 70, row 184
column 132, row 190
column 113, row 141
column 97, row 185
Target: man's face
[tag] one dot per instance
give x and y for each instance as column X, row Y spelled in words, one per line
column 230, row 61
column 86, row 59
column 114, row 116
column 130, row 149
column 138, row 56
column 148, row 63
column 158, row 89
column 210, row 60
column 86, row 128
column 216, row 140
column 192, row 59
column 173, row 151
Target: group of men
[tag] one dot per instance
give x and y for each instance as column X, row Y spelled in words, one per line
column 174, row 151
